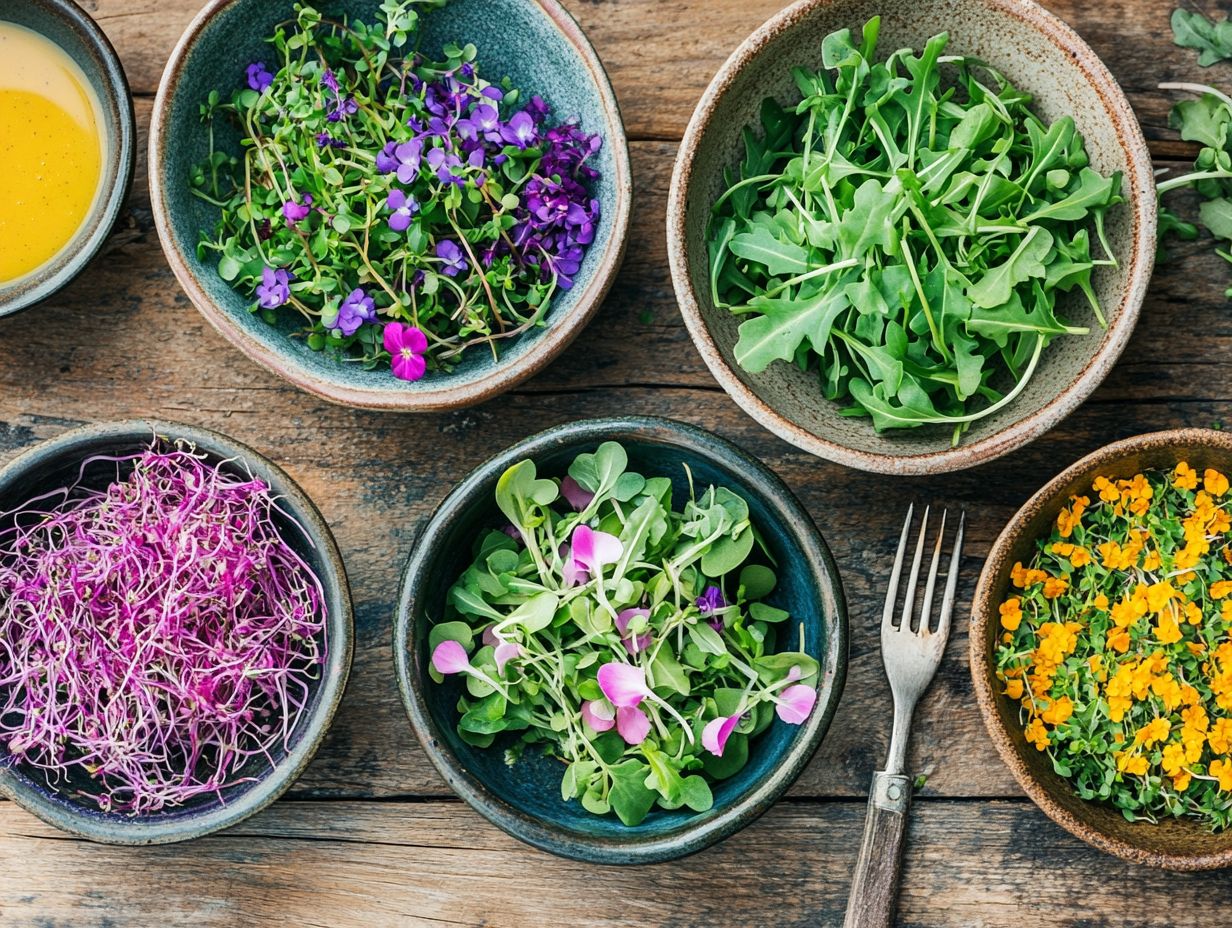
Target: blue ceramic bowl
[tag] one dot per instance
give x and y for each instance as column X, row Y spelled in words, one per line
column 524, row 799
column 70, row 27
column 54, row 463
column 535, row 42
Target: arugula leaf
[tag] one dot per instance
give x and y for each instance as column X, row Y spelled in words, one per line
column 1212, row 39
column 997, row 286
column 786, row 322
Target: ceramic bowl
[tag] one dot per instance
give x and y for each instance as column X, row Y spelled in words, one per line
column 524, row 799
column 1175, row 844
column 59, row 461
column 70, row 27
column 537, row 44
column 1042, row 56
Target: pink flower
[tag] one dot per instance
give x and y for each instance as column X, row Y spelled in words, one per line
column 406, row 346
column 599, row 715
column 635, row 643
column 578, row 498
column 632, row 724
column 795, row 703
column 450, row 658
column 588, row 553
column 489, row 636
column 505, row 652
column 716, row 733
column 623, row 684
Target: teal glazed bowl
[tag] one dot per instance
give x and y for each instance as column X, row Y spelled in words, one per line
column 525, row 799
column 71, row 28
column 60, row 460
column 534, row 42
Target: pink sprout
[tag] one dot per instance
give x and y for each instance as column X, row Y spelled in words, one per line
column 633, row 643
column 589, row 552
column 716, row 733
column 795, row 703
column 623, row 684
column 450, row 658
column 159, row 636
column 632, row 724
column 599, row 715
column 577, row 497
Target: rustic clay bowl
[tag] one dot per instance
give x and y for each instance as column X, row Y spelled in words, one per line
column 1175, row 845
column 70, row 27
column 524, row 799
column 58, row 461
column 1041, row 55
column 534, row 42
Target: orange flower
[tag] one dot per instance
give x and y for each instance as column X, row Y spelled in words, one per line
column 1037, row 735
column 1222, row 771
column 1153, row 732
column 1220, row 736
column 1011, row 614
column 1185, row 477
column 1013, row 689
column 1220, row 589
column 1059, row 712
column 1055, row 587
column 1136, row 765
column 1214, row 482
column 1118, row 640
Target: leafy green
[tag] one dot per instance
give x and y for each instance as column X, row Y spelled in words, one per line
column 1212, row 39
column 908, row 231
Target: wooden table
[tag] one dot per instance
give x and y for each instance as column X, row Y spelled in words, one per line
column 371, row 835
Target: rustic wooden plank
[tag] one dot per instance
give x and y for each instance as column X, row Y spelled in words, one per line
column 986, row 865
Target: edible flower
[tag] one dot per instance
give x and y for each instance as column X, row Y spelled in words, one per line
column 355, row 310
column 407, row 346
column 795, row 703
column 274, row 289
column 716, row 733
column 403, row 208
column 259, row 77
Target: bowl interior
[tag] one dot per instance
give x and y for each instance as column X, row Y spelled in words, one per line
column 514, row 37
column 72, row 30
column 808, row 590
column 1180, row 844
column 1037, row 60
column 65, row 801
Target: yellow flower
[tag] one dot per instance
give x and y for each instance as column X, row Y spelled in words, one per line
column 1225, row 610
column 1222, row 771
column 1055, row 587
column 1221, row 589
column 1214, row 482
column 1173, row 759
column 1152, row 561
column 1037, row 735
column 1101, row 602
column 1106, row 489
column 1193, row 613
column 1059, row 712
column 1011, row 614
column 1167, row 630
column 1185, row 477
column 1220, row 736
column 1023, row 577
column 1136, row 765
column 1118, row 640
column 1168, row 691
column 1181, row 781
column 1158, row 595
column 1128, row 611
column 1013, row 689
column 1153, row 732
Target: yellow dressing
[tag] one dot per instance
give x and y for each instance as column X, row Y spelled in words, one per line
column 50, row 150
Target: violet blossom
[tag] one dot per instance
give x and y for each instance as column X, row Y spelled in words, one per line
column 355, row 310
column 402, row 209
column 259, row 78
column 407, row 346
column 274, row 289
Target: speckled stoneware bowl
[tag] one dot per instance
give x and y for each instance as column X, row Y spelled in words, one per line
column 524, row 799
column 70, row 27
column 534, row 42
column 57, row 462
column 1175, row 845
column 1041, row 55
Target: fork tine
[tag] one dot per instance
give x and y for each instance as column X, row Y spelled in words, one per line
column 926, row 605
column 909, row 593
column 951, row 582
column 887, row 617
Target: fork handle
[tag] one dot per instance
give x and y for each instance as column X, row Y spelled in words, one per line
column 874, row 890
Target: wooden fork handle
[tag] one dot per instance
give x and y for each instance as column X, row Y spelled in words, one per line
column 874, row 890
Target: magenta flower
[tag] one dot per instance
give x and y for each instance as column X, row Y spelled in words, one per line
column 633, row 644
column 591, row 551
column 505, row 652
column 716, row 733
column 624, row 685
column 402, row 207
column 632, row 724
column 407, row 346
column 599, row 715
column 259, row 78
column 294, row 211
column 450, row 658
column 452, row 258
column 355, row 310
column 794, row 704
column 274, row 289
column 578, row 498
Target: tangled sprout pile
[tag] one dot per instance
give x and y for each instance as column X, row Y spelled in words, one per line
column 1117, row 643
column 404, row 210
column 156, row 636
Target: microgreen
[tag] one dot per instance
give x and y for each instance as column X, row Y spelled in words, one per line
column 1115, row 642
column 1211, row 38
column 629, row 639
column 906, row 230
column 158, row 637
column 372, row 188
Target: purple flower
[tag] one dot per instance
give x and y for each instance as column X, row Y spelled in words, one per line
column 577, row 497
column 484, row 122
column 402, row 207
column 451, row 256
column 633, row 643
column 520, row 130
column 342, row 108
column 330, row 80
column 258, row 77
column 297, row 212
column 407, row 346
column 355, row 310
column 446, row 165
column 325, row 140
column 538, row 109
column 274, row 289
column 386, row 159
column 710, row 602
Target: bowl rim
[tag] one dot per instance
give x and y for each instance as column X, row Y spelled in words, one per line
column 560, row 331
column 63, row 268
column 83, row 823
column 688, row 838
column 1141, row 199
column 980, row 656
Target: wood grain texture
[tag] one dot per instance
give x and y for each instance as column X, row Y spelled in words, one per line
column 123, row 341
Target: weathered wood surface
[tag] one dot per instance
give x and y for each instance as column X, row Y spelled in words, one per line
column 123, row 341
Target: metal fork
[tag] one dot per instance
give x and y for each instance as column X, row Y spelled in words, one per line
column 911, row 657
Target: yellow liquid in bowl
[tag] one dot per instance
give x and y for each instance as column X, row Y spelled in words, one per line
column 50, row 150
